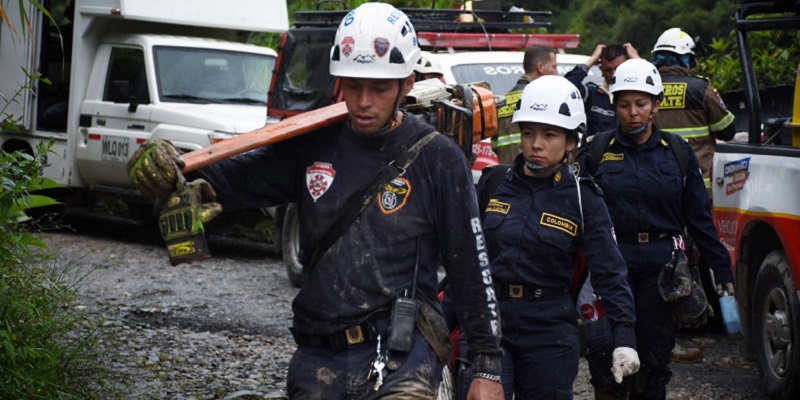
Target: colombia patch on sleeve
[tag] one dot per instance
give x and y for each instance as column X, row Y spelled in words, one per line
column 498, row 206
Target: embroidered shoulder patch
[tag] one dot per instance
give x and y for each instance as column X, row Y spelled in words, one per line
column 319, row 178
column 394, row 195
column 563, row 224
column 498, row 206
column 611, row 157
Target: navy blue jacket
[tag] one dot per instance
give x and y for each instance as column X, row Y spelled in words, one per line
column 373, row 262
column 645, row 192
column 534, row 231
column 601, row 115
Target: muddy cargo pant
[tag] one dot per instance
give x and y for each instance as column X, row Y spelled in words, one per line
column 324, row 373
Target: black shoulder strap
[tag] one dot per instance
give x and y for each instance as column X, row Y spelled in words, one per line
column 360, row 200
column 596, row 146
column 599, row 143
column 486, row 186
column 678, row 146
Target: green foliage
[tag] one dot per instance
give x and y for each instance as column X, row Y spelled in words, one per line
column 41, row 357
column 775, row 58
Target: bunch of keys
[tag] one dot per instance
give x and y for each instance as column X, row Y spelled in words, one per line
column 376, row 369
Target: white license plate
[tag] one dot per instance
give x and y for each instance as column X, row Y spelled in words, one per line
column 115, row 148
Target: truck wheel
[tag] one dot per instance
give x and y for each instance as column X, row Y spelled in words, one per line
column 291, row 246
column 776, row 333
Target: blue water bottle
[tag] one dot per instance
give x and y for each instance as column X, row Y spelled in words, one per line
column 730, row 315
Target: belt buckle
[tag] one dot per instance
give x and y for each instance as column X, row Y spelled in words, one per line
column 516, row 291
column 355, row 335
column 643, row 237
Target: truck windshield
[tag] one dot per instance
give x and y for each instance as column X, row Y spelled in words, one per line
column 195, row 75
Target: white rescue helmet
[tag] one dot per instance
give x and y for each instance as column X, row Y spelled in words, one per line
column 552, row 100
column 425, row 65
column 675, row 40
column 638, row 75
column 374, row 40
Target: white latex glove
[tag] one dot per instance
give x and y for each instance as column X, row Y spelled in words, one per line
column 625, row 363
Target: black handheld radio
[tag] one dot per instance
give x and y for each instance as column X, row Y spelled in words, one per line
column 404, row 316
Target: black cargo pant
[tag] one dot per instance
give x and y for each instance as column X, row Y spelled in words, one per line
column 655, row 329
column 328, row 374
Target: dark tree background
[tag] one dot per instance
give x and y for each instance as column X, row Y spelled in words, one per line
column 640, row 22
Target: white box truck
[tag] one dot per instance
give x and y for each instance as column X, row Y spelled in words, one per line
column 132, row 70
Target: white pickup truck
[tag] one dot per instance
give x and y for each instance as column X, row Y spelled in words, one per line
column 128, row 71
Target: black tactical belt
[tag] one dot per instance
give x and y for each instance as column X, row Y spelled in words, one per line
column 529, row 292
column 364, row 332
column 643, row 237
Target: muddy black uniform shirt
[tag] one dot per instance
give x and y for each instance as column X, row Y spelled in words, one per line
column 373, row 262
column 534, row 230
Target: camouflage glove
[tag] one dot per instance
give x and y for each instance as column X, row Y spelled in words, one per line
column 155, row 168
column 181, row 221
column 674, row 280
column 693, row 311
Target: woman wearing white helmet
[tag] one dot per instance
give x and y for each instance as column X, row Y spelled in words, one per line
column 538, row 218
column 654, row 191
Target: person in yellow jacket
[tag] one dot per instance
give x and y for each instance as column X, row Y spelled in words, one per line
column 538, row 61
column 692, row 107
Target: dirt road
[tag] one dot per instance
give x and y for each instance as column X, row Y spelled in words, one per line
column 219, row 328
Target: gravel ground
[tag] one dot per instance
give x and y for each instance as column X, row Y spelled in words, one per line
column 218, row 329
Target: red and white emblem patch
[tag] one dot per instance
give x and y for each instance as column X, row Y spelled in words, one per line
column 347, row 45
column 319, row 178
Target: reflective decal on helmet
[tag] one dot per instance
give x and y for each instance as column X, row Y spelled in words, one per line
column 381, row 46
column 364, row 59
column 347, row 45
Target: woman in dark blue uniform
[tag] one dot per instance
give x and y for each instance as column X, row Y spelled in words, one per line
column 537, row 221
column 650, row 202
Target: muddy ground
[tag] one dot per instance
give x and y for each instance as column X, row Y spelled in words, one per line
column 219, row 328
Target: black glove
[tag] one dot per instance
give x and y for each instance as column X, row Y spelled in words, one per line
column 181, row 221
column 155, row 168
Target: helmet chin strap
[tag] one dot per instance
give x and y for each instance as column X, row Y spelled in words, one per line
column 638, row 131
column 543, row 169
column 392, row 121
